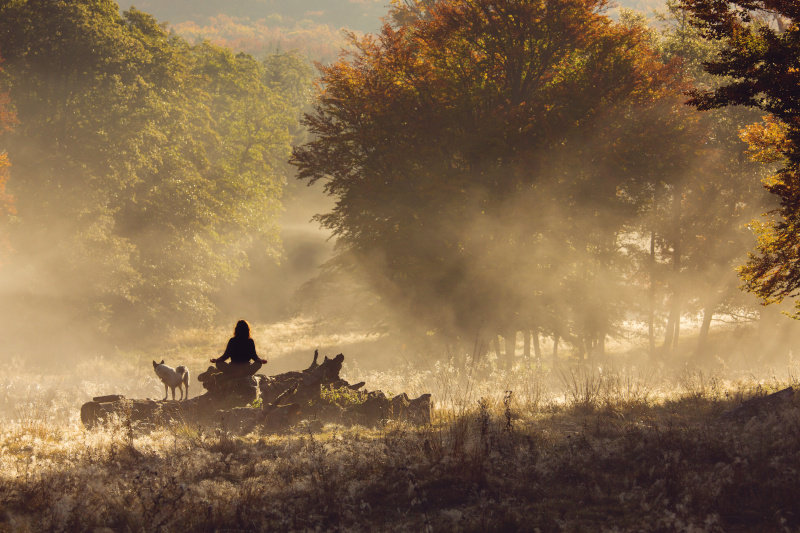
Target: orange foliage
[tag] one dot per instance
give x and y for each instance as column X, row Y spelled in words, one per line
column 767, row 142
column 7, row 121
column 469, row 110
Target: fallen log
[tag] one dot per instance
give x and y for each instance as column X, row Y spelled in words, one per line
column 377, row 408
column 271, row 416
column 317, row 393
column 150, row 411
column 307, row 383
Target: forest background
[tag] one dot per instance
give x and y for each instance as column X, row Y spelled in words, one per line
column 150, row 188
column 527, row 222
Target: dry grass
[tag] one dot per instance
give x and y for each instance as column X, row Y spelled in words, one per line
column 576, row 448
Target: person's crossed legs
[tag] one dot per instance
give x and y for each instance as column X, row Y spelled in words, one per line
column 239, row 369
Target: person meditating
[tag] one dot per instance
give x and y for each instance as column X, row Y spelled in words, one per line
column 240, row 350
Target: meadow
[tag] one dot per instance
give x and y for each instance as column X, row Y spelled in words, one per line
column 616, row 445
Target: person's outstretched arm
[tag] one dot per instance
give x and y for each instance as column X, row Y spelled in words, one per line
column 253, row 355
column 225, row 355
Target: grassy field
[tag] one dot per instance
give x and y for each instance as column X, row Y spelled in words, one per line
column 571, row 447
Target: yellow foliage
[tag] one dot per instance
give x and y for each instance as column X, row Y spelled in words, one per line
column 766, row 141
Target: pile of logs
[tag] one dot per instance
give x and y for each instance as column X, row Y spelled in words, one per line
column 270, row 403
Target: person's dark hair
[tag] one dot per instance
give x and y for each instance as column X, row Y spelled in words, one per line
column 242, row 330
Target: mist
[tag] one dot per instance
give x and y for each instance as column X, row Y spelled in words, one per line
column 505, row 265
column 117, row 253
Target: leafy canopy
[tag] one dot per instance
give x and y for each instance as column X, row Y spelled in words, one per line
column 482, row 155
column 8, row 120
column 146, row 168
column 760, row 64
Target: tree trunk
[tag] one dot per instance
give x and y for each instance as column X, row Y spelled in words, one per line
column 672, row 334
column 673, row 327
column 479, row 350
column 555, row 347
column 674, row 324
column 651, row 334
column 511, row 348
column 526, row 344
column 666, row 346
column 537, row 348
column 702, row 339
column 582, row 352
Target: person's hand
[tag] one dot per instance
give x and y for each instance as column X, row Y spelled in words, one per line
column 263, row 361
column 213, row 360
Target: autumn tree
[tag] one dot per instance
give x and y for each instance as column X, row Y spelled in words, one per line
column 483, row 155
column 759, row 65
column 7, row 121
column 695, row 212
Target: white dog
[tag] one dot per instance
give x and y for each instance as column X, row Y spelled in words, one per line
column 172, row 377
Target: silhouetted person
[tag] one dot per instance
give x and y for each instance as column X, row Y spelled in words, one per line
column 240, row 350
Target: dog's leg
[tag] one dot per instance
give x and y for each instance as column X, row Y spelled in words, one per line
column 166, row 392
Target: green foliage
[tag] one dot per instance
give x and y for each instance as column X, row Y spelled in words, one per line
column 343, row 396
column 145, row 166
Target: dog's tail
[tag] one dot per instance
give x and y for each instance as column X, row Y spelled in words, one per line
column 184, row 372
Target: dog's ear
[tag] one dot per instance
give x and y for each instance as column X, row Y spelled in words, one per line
column 162, row 362
column 155, row 364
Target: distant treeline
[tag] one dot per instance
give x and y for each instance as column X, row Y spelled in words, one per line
column 318, row 42
column 315, row 28
column 356, row 15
